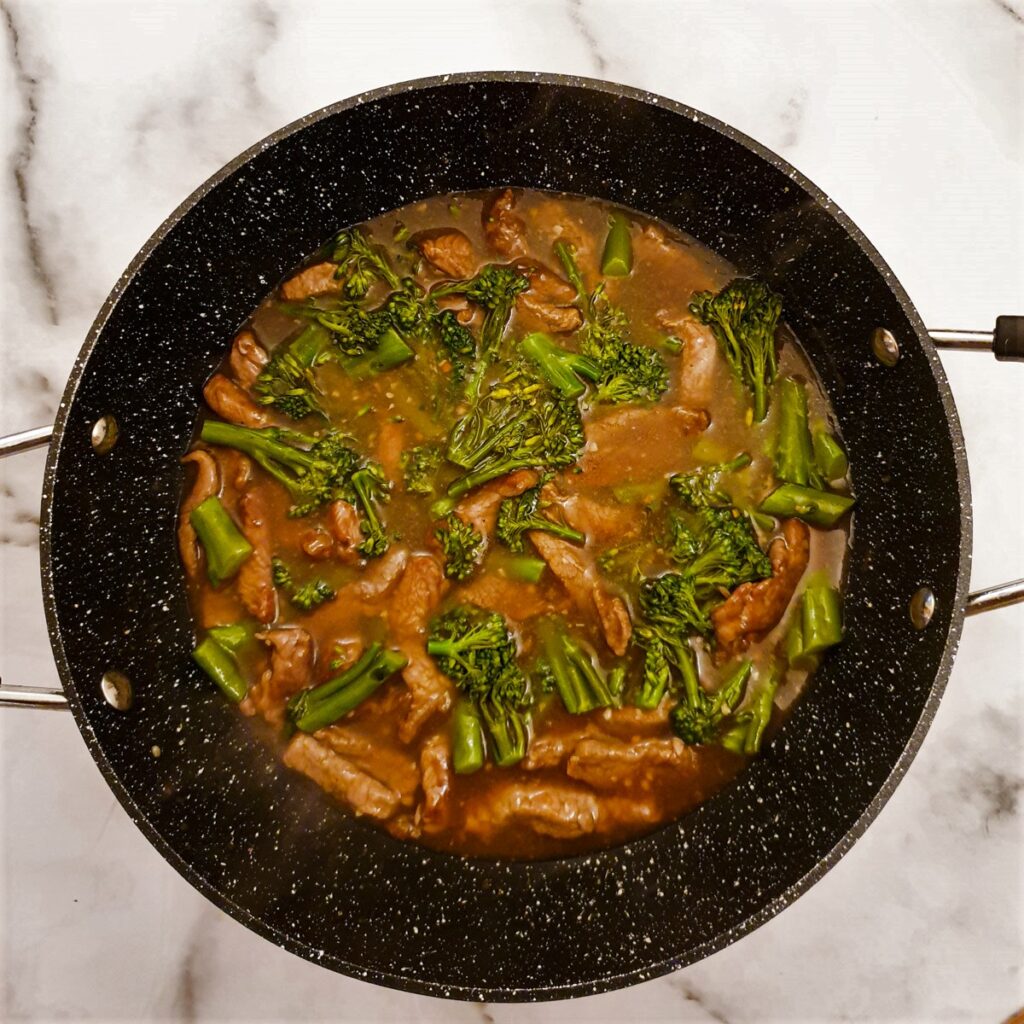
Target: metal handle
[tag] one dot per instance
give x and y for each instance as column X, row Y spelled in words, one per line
column 1006, row 341
column 995, row 597
column 27, row 696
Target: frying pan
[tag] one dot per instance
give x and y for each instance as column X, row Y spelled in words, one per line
column 263, row 843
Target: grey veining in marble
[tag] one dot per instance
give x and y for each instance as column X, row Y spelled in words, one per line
column 909, row 114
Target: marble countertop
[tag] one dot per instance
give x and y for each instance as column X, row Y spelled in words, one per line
column 910, row 114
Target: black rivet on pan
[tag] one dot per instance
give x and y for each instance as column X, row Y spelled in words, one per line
column 922, row 607
column 885, row 346
column 104, row 435
column 116, row 688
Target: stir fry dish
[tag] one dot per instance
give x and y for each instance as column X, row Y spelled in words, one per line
column 516, row 523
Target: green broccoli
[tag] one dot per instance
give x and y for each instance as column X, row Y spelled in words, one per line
column 461, row 544
column 699, row 487
column 287, row 383
column 567, row 667
column 743, row 317
column 522, row 513
column 564, row 370
column 305, row 597
column 699, row 717
column 360, row 264
column 420, row 465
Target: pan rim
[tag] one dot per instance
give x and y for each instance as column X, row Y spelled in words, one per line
column 610, row 981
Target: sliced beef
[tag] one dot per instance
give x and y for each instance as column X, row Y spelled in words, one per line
column 754, row 609
column 379, row 576
column 316, row 280
column 340, row 777
column 547, row 305
column 606, row 763
column 627, row 811
column 449, row 251
column 415, row 598
column 386, row 762
column 291, row 669
column 436, row 774
column 696, row 385
column 637, row 444
column 550, row 749
column 559, row 811
column 515, row 599
column 575, row 570
column 247, row 359
column 504, row 231
column 255, row 579
column 205, row 485
column 317, row 543
column 390, row 445
column 551, row 221
column 232, row 403
column 480, row 508
column 604, row 522
column 343, row 522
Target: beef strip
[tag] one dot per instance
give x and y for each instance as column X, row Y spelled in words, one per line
column 504, row 231
column 317, row 543
column 378, row 577
column 480, row 508
column 340, row 777
column 547, row 305
column 606, row 763
column 637, row 444
column 754, row 609
column 386, row 762
column 436, row 772
column 550, row 749
column 343, row 522
column 316, row 280
column 255, row 579
column 575, row 570
column 696, row 384
column 449, row 251
column 603, row 522
column 247, row 359
column 418, row 593
column 232, row 403
column 390, row 445
column 290, row 670
column 515, row 599
column 205, row 485
column 559, row 811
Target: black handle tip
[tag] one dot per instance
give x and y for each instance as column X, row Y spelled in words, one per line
column 1008, row 343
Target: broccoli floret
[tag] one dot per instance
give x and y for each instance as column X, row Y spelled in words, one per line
column 315, row 471
column 461, row 545
column 626, row 372
column 521, row 513
column 288, row 383
column 670, row 603
column 307, row 596
column 657, row 675
column 477, row 651
column 720, row 551
column 494, row 288
column 457, row 343
column 518, row 424
column 420, row 465
column 743, row 317
column 698, row 718
column 699, row 488
column 360, row 264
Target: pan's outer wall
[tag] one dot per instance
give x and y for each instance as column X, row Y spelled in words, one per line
column 260, row 842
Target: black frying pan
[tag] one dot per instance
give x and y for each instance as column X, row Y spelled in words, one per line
column 255, row 838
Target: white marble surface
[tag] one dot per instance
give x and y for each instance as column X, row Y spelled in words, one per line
column 910, row 114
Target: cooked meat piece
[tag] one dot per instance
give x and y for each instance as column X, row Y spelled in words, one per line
column 340, row 777
column 255, row 578
column 480, row 508
column 389, row 765
column 379, row 576
column 247, row 359
column 551, row 220
column 235, row 468
column 549, row 749
column 547, row 304
column 436, row 770
column 504, row 231
column 450, row 251
column 754, row 609
column 560, row 811
column 609, row 764
column 205, row 485
column 418, row 593
column 654, row 437
column 390, row 445
column 317, row 543
column 681, row 269
column 575, row 569
column 469, row 314
column 404, row 826
column 603, row 522
column 345, row 653
column 290, row 670
column 617, row 811
column 343, row 522
column 233, row 404
column 630, row 718
column 699, row 357
column 515, row 599
column 316, row 280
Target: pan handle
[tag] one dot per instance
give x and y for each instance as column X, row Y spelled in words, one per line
column 1006, row 341
column 26, row 696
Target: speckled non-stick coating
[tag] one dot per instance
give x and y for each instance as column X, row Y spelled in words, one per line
column 262, row 843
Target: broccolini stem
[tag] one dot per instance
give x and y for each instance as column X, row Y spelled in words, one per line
column 467, row 738
column 526, row 568
column 225, row 546
column 793, row 453
column 761, row 712
column 819, row 508
column 617, row 258
column 220, row 666
column 821, row 624
column 232, row 637
column 830, row 457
